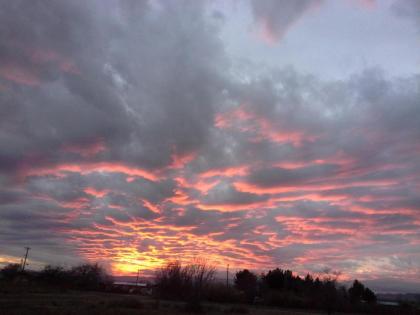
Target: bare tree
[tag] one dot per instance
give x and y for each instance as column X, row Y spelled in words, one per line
column 202, row 275
column 186, row 282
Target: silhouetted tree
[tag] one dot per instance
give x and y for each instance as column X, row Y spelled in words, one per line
column 288, row 279
column 89, row 276
column 55, row 275
column 356, row 291
column 274, row 279
column 278, row 288
column 175, row 281
column 308, row 279
column 170, row 281
column 246, row 281
column 329, row 295
column 201, row 275
column 369, row 296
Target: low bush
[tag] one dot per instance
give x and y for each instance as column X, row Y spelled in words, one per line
column 219, row 293
column 10, row 271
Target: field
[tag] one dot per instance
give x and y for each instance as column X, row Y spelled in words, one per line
column 91, row 303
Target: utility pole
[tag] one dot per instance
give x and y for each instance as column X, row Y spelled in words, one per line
column 137, row 279
column 26, row 256
column 227, row 276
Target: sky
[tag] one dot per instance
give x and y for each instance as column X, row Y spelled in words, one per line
column 254, row 133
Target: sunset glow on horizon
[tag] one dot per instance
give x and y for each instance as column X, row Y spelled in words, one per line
column 259, row 134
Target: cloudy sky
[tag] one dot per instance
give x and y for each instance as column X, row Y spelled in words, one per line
column 255, row 133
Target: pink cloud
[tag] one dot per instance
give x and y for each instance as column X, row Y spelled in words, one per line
column 86, row 150
column 28, row 70
column 260, row 128
column 86, row 168
column 18, row 74
column 225, row 172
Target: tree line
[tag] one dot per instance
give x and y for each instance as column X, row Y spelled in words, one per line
column 81, row 277
column 282, row 288
column 196, row 282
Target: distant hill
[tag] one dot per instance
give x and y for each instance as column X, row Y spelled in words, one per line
column 392, row 297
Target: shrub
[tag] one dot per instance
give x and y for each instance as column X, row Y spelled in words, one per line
column 175, row 281
column 219, row 293
column 10, row 271
column 89, row 277
column 246, row 281
column 54, row 275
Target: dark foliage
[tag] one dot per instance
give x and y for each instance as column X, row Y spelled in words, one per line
column 282, row 288
column 194, row 282
column 10, row 271
column 278, row 279
column 82, row 277
column 246, row 281
column 189, row 282
column 369, row 296
column 218, row 292
column 55, row 275
column 277, row 287
column 171, row 281
column 356, row 291
column 90, row 277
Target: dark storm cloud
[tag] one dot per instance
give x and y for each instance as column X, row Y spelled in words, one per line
column 126, row 97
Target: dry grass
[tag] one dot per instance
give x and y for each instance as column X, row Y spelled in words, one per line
column 88, row 303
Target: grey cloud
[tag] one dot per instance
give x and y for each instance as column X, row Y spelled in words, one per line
column 135, row 94
column 278, row 15
column 407, row 9
column 277, row 177
column 226, row 194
